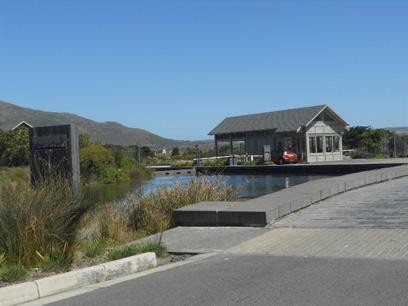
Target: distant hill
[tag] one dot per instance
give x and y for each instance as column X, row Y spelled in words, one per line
column 398, row 130
column 105, row 132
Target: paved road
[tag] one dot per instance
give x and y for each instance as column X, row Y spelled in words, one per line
column 262, row 280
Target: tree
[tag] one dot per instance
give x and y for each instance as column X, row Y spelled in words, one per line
column 352, row 138
column 84, row 140
column 128, row 162
column 175, row 152
column 373, row 140
column 146, row 151
column 95, row 158
column 367, row 141
column 14, row 148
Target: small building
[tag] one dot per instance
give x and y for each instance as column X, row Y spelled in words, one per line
column 314, row 132
column 22, row 125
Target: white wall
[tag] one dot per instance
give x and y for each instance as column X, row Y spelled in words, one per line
column 324, row 128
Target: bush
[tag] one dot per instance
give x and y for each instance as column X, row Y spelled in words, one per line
column 93, row 248
column 2, row 260
column 38, row 224
column 111, row 175
column 153, row 212
column 95, row 159
column 13, row 273
column 131, row 250
column 128, row 162
column 55, row 264
column 14, row 148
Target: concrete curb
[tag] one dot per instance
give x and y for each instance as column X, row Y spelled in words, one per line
column 268, row 208
column 29, row 291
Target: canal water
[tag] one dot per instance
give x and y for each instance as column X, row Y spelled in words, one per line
column 247, row 186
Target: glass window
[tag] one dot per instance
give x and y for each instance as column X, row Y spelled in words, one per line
column 336, row 143
column 319, row 144
column 312, row 144
column 329, row 143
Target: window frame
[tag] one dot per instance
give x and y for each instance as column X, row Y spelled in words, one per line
column 313, row 143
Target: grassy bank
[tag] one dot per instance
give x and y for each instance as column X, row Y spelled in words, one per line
column 47, row 229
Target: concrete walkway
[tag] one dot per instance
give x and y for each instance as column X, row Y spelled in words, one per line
column 370, row 222
column 196, row 240
column 377, row 206
column 333, row 243
column 271, row 207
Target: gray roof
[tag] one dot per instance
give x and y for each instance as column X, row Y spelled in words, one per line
column 280, row 121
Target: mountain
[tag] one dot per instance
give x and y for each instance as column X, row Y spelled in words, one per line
column 398, row 130
column 105, row 132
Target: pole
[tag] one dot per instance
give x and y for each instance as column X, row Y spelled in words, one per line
column 197, row 155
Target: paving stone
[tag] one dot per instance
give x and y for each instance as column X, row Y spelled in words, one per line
column 376, row 206
column 337, row 243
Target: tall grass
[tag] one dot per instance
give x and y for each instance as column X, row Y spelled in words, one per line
column 153, row 212
column 15, row 174
column 38, row 224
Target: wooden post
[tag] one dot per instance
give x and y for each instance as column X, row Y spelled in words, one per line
column 216, row 145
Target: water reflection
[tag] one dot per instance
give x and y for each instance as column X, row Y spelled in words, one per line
column 247, row 186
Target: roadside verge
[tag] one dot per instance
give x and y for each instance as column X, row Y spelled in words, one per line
column 29, row 291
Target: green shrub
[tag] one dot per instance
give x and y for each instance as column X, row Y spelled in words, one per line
column 111, row 175
column 130, row 250
column 55, row 264
column 128, row 162
column 2, row 259
column 13, row 273
column 95, row 158
column 93, row 248
column 122, row 252
column 14, row 147
column 38, row 224
column 153, row 212
column 157, row 248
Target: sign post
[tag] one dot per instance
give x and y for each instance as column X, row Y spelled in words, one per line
column 54, row 154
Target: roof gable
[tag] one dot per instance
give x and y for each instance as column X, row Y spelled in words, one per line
column 22, row 124
column 280, row 121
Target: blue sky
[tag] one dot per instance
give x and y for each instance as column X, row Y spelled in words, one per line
column 177, row 68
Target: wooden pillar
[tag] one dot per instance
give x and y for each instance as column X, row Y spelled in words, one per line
column 231, row 145
column 216, row 145
column 246, row 144
column 306, row 137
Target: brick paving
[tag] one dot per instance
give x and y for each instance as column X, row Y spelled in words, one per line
column 382, row 205
column 370, row 222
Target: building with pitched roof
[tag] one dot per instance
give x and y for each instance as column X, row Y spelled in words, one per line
column 22, row 125
column 315, row 132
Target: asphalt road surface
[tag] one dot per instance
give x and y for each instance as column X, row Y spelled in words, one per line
column 262, row 280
